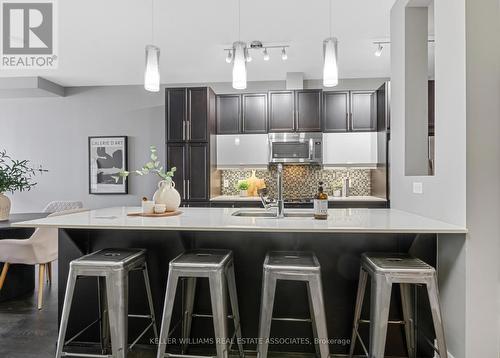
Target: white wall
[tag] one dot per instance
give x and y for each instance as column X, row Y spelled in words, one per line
column 54, row 132
column 443, row 195
column 465, row 189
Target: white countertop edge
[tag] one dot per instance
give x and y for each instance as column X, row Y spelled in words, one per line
column 381, row 221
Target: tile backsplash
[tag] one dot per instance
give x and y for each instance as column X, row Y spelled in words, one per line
column 301, row 181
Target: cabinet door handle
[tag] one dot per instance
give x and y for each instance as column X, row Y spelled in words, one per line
column 183, row 130
column 188, row 194
column 188, row 130
column 184, row 189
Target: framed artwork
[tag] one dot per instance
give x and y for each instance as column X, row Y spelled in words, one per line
column 107, row 158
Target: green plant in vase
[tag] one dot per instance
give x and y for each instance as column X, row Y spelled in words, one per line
column 166, row 192
column 15, row 175
column 243, row 187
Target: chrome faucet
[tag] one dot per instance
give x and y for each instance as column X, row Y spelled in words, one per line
column 279, row 204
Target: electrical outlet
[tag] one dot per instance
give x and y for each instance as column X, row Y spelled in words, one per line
column 418, row 188
column 226, row 183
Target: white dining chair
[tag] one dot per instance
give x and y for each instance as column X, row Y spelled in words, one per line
column 40, row 249
column 56, row 206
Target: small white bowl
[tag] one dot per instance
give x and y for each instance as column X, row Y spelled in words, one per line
column 160, row 208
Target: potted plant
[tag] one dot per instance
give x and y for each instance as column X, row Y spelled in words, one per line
column 166, row 192
column 243, row 187
column 15, row 175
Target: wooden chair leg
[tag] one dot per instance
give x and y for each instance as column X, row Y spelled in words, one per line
column 3, row 275
column 48, row 268
column 41, row 274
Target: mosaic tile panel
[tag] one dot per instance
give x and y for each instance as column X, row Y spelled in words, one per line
column 301, row 182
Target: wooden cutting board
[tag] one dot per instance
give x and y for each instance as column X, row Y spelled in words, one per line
column 254, row 184
column 165, row 214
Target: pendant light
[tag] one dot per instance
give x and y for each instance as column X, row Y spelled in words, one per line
column 239, row 66
column 330, row 58
column 239, row 58
column 152, row 72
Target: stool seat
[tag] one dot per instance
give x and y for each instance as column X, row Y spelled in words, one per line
column 111, row 257
column 395, row 262
column 291, row 260
column 205, row 259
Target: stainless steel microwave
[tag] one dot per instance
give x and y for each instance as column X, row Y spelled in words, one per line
column 296, row 148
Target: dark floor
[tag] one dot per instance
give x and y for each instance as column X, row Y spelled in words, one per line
column 26, row 332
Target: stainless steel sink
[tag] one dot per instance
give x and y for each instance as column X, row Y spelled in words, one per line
column 272, row 214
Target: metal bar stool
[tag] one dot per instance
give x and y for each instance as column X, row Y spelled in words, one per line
column 294, row 266
column 386, row 269
column 111, row 267
column 218, row 267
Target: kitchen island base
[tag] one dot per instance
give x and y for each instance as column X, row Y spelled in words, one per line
column 339, row 255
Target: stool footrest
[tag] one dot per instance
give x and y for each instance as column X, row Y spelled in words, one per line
column 291, row 319
column 391, row 322
column 86, row 355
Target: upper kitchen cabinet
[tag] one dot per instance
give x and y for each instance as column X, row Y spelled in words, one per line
column 175, row 106
column 336, row 111
column 281, row 111
column 242, row 113
column 308, row 110
column 350, row 111
column 363, row 111
column 197, row 121
column 254, row 118
column 187, row 114
column 228, row 114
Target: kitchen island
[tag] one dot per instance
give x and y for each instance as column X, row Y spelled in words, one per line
column 338, row 243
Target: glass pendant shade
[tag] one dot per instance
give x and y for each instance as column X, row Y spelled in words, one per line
column 239, row 66
column 152, row 74
column 330, row 65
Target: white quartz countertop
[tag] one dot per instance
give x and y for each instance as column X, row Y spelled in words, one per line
column 330, row 198
column 220, row 219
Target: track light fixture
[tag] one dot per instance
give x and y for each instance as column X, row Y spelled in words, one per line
column 378, row 51
column 284, row 55
column 229, row 56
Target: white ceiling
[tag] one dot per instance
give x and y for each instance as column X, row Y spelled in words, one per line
column 102, row 42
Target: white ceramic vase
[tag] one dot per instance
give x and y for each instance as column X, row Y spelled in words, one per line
column 4, row 207
column 168, row 195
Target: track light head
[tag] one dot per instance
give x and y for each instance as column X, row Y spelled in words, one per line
column 284, row 55
column 378, row 51
column 266, row 55
column 229, row 57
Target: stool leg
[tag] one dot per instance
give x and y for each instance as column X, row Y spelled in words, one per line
column 117, row 294
column 188, row 311
column 168, row 306
column 266, row 313
column 233, row 297
column 406, row 304
column 379, row 314
column 433, row 293
column 103, row 314
column 68, row 298
column 318, row 314
column 150, row 298
column 363, row 277
column 218, row 292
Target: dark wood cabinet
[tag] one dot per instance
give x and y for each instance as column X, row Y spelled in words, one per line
column 363, row 111
column 176, row 157
column 308, row 110
column 254, row 113
column 197, row 184
column 346, row 111
column 281, row 111
column 190, row 126
column 228, row 114
column 197, row 123
column 242, row 114
column 175, row 108
column 336, row 111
